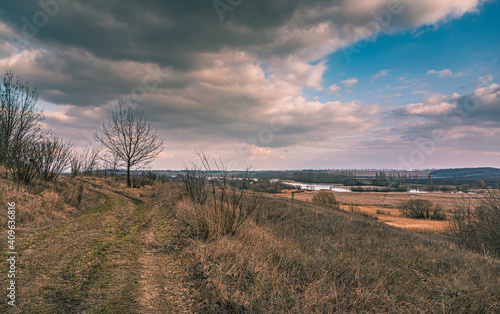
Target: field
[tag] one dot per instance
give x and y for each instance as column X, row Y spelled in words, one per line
column 92, row 245
column 384, row 206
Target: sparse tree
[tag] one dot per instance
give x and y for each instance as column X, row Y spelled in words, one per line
column 53, row 156
column 109, row 164
column 130, row 137
column 86, row 161
column 19, row 119
column 421, row 209
column 44, row 159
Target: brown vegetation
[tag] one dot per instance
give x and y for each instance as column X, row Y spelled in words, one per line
column 475, row 224
column 325, row 197
column 215, row 207
column 103, row 244
column 421, row 209
column 312, row 259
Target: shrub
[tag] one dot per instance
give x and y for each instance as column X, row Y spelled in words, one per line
column 144, row 179
column 421, row 209
column 325, row 197
column 383, row 212
column 475, row 224
column 218, row 208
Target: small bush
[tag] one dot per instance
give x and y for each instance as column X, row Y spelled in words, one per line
column 144, row 179
column 475, row 224
column 325, row 197
column 383, row 212
column 218, row 208
column 421, row 209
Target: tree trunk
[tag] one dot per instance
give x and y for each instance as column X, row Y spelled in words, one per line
column 129, row 184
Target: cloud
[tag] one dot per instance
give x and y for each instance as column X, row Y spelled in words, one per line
column 445, row 73
column 428, row 109
column 441, row 74
column 420, row 92
column 487, row 78
column 334, row 89
column 349, row 82
column 380, row 74
column 389, row 98
column 479, row 108
column 205, row 81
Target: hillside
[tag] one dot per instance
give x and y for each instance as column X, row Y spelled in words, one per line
column 92, row 245
column 471, row 174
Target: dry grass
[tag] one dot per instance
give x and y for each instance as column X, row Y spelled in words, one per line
column 391, row 216
column 113, row 251
column 385, row 199
column 384, row 206
column 47, row 204
column 325, row 197
column 106, row 256
column 312, row 259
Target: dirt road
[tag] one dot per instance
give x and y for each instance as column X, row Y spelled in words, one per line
column 108, row 260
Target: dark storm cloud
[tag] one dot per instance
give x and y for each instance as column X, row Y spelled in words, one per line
column 171, row 33
column 168, row 33
column 208, row 75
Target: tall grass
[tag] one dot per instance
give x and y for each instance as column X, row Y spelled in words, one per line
column 47, row 203
column 312, row 259
column 475, row 224
column 216, row 207
column 325, row 197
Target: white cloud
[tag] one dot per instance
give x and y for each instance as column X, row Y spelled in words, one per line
column 389, row 98
column 420, row 92
column 298, row 72
column 441, row 74
column 380, row 74
column 349, row 82
column 487, row 78
column 445, row 73
column 429, row 109
column 334, row 89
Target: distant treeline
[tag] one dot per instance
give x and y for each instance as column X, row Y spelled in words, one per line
column 349, row 178
column 377, row 178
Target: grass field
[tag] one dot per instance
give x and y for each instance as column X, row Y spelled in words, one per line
column 91, row 245
column 384, row 206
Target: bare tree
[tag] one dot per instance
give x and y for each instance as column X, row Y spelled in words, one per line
column 130, row 137
column 109, row 164
column 76, row 164
column 44, row 159
column 19, row 118
column 85, row 161
column 25, row 168
column 53, row 156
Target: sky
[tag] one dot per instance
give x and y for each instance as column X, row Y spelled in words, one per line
column 364, row 84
